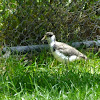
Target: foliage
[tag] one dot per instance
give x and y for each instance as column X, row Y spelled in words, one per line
column 23, row 22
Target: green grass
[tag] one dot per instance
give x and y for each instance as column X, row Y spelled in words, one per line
column 47, row 79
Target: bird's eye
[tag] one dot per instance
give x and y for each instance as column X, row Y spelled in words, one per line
column 49, row 35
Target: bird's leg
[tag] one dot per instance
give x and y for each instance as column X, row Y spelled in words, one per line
column 66, row 64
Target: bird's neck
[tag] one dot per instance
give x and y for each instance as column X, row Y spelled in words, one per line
column 52, row 44
column 52, row 41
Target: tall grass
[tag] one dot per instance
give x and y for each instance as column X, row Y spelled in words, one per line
column 47, row 79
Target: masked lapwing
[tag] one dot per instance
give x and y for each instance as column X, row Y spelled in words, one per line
column 61, row 51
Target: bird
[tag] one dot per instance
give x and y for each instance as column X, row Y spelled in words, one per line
column 62, row 51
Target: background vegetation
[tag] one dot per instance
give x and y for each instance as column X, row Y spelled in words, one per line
column 23, row 22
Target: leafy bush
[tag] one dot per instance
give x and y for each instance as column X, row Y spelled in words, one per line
column 25, row 22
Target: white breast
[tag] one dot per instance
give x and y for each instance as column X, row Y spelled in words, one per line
column 62, row 58
column 59, row 56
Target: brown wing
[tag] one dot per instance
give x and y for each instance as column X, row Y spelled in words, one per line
column 68, row 50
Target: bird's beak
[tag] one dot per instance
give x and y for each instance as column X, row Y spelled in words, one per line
column 44, row 38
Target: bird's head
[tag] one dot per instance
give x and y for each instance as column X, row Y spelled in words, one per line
column 49, row 36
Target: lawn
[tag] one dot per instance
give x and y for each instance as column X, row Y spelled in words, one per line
column 43, row 78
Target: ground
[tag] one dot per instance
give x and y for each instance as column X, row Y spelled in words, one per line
column 46, row 79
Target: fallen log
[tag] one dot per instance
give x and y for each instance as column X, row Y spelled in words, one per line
column 86, row 44
column 38, row 48
column 25, row 49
